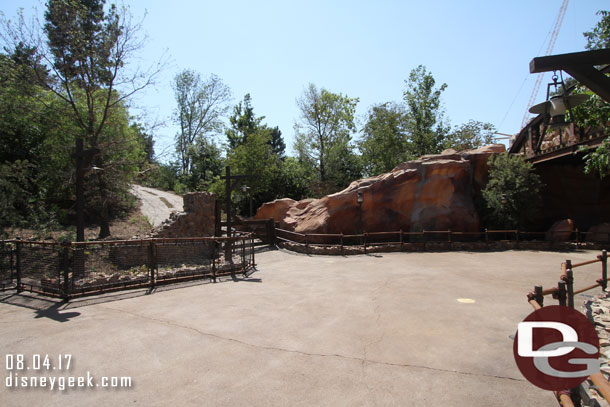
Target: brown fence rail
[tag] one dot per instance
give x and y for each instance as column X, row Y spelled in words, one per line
column 564, row 293
column 429, row 239
column 82, row 268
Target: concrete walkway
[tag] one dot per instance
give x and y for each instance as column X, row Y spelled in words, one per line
column 157, row 205
column 377, row 330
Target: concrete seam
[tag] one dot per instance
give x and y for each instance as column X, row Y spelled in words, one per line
column 336, row 355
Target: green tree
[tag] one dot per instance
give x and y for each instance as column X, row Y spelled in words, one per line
column 384, row 143
column 255, row 159
column 85, row 62
column 594, row 114
column 471, row 135
column 244, row 123
column 599, row 38
column 323, row 132
column 425, row 116
column 512, row 193
column 201, row 106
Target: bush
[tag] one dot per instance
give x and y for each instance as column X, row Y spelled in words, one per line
column 512, row 193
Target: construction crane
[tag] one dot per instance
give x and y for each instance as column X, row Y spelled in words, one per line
column 549, row 49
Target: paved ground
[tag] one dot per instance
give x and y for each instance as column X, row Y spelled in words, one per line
column 377, row 330
column 156, row 204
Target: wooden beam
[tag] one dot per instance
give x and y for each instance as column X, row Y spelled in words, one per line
column 591, row 78
column 561, row 61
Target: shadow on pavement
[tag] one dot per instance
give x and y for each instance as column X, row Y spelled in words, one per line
column 46, row 307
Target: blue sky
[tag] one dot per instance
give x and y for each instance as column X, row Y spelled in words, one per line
column 273, row 49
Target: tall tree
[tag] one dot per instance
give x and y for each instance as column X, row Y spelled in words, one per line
column 325, row 127
column 201, row 106
column 85, row 61
column 245, row 123
column 425, row 116
column 384, row 142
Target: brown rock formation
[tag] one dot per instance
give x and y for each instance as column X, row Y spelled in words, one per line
column 599, row 233
column 435, row 192
column 560, row 231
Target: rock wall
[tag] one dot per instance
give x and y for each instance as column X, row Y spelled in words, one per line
column 435, row 192
column 197, row 219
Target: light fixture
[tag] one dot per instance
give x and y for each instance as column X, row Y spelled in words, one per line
column 504, row 199
column 556, row 106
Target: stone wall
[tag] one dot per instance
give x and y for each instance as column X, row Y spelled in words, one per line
column 197, row 220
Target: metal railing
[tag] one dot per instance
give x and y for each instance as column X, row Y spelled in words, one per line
column 564, row 293
column 83, row 268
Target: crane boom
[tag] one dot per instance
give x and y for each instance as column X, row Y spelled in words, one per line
column 549, row 50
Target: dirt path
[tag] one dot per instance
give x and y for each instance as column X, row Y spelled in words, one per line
column 157, row 205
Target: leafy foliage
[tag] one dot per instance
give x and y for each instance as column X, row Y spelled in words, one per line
column 512, row 193
column 323, row 137
column 425, row 116
column 599, row 38
column 598, row 160
column 384, row 143
column 201, row 106
column 67, row 80
column 594, row 114
column 471, row 135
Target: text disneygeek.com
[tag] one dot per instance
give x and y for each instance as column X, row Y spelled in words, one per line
column 33, row 371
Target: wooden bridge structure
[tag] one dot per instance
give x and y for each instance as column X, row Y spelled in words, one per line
column 537, row 141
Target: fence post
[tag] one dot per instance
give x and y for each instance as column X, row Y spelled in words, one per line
column 12, row 262
column 570, row 283
column 65, row 267
column 214, row 248
column 217, row 219
column 561, row 293
column 152, row 262
column 538, row 295
column 604, row 259
column 271, row 231
column 18, row 265
column 243, row 254
column 364, row 242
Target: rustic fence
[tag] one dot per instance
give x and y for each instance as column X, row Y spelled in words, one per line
column 82, row 268
column 317, row 243
column 564, row 293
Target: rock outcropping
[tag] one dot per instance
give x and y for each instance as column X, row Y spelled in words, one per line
column 435, row 192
